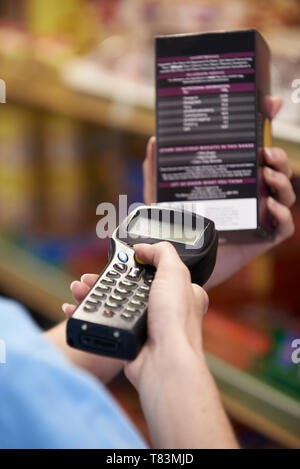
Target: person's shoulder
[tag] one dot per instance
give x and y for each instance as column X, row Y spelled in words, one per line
column 10, row 305
column 16, row 323
column 46, row 401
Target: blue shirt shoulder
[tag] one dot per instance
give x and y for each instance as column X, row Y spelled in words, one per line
column 48, row 403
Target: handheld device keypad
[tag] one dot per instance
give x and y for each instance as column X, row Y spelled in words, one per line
column 112, row 318
column 121, row 291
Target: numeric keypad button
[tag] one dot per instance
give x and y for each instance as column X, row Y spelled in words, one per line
column 103, row 289
column 135, row 273
column 98, row 296
column 148, row 278
column 113, row 274
column 93, row 302
column 137, row 304
column 90, row 309
column 128, row 284
column 112, row 305
column 120, row 267
column 127, row 316
column 132, row 310
column 109, row 281
column 140, row 296
column 122, row 291
column 117, row 298
column 144, row 289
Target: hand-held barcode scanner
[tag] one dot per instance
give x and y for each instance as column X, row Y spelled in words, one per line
column 112, row 318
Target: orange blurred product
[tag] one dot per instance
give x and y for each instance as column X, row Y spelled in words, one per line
column 18, row 188
column 285, row 291
column 234, row 341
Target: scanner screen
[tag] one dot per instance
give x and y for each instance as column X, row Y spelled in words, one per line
column 163, row 229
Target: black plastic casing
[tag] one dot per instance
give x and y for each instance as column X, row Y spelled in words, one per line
column 200, row 261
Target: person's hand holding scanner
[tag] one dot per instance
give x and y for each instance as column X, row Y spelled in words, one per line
column 178, row 394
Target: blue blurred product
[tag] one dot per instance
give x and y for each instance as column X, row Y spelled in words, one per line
column 134, row 181
column 59, row 250
column 278, row 367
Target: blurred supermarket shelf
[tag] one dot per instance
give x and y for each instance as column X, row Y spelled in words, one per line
column 44, row 288
column 87, row 77
column 89, row 93
column 257, row 404
column 37, row 284
column 36, row 85
column 93, row 79
column 287, row 132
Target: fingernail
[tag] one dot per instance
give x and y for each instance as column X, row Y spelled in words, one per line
column 270, row 172
column 64, row 307
column 272, row 202
column 83, row 277
column 149, row 144
column 71, row 286
column 269, row 153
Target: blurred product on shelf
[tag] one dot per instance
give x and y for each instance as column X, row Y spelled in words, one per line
column 18, row 182
column 108, row 165
column 125, row 53
column 64, row 183
column 105, row 47
column 277, row 368
column 56, row 30
column 286, row 71
column 234, row 341
column 73, row 254
column 250, row 439
column 54, row 171
column 256, row 340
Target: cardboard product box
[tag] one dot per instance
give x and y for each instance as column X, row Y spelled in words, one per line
column 212, row 99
